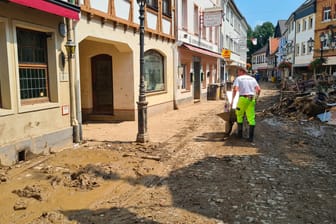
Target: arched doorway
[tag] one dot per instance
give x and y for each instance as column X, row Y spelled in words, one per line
column 102, row 84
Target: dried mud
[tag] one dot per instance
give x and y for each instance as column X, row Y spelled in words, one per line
column 199, row 175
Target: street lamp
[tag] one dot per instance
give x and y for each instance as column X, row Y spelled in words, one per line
column 142, row 104
column 322, row 39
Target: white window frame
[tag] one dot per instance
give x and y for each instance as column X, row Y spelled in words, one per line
column 326, row 13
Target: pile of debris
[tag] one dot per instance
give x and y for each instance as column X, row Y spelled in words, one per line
column 307, row 100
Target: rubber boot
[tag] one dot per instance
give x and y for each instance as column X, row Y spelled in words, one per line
column 240, row 130
column 251, row 133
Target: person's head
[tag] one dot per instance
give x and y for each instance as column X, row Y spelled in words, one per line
column 241, row 71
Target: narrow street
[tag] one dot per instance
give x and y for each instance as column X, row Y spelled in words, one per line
column 190, row 172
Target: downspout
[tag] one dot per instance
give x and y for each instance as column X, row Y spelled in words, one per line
column 70, row 45
column 222, row 77
column 294, row 45
column 78, row 90
column 175, row 56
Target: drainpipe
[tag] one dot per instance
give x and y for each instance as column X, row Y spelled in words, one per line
column 175, row 56
column 78, row 101
column 78, row 91
column 70, row 46
column 294, row 49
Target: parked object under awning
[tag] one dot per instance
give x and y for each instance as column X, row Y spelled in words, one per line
column 202, row 51
column 57, row 7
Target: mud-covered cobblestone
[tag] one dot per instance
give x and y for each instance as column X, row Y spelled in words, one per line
column 198, row 175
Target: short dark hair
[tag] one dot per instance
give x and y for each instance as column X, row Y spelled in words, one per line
column 242, row 69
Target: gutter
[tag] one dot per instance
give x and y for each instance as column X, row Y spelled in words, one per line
column 72, row 85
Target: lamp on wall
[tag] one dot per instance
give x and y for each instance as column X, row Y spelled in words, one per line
column 333, row 43
column 142, row 103
column 310, row 43
column 70, row 48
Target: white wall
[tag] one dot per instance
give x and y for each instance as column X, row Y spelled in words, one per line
column 302, row 37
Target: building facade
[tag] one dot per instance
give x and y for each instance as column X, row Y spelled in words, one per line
column 260, row 61
column 272, row 69
column 68, row 62
column 325, row 35
column 234, row 39
column 283, row 66
column 108, row 55
column 197, row 50
column 304, row 18
column 35, row 83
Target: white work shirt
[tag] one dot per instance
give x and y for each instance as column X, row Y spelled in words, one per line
column 246, row 84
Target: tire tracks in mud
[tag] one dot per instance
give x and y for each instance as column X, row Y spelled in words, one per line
column 174, row 152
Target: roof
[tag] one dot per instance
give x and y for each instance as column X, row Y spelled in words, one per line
column 274, row 45
column 242, row 18
column 306, row 8
column 261, row 50
column 280, row 28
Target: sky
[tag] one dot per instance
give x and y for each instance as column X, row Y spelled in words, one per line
column 256, row 12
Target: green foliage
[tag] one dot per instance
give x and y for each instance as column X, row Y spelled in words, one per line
column 262, row 33
column 317, row 63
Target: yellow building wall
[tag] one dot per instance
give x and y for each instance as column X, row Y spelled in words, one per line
column 21, row 125
column 95, row 38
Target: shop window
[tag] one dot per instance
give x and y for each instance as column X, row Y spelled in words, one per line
column 183, row 75
column 154, row 71
column 33, row 66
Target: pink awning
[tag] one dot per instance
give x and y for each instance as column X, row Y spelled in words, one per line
column 203, row 51
column 51, row 7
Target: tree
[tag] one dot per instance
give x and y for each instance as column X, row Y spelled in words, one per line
column 262, row 33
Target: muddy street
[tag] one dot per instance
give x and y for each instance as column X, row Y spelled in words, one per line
column 191, row 172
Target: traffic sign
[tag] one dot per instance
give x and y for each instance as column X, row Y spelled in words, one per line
column 226, row 53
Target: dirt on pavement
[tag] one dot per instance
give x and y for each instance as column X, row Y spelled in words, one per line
column 190, row 172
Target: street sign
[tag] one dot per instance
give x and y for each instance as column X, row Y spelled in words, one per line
column 212, row 17
column 226, row 53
